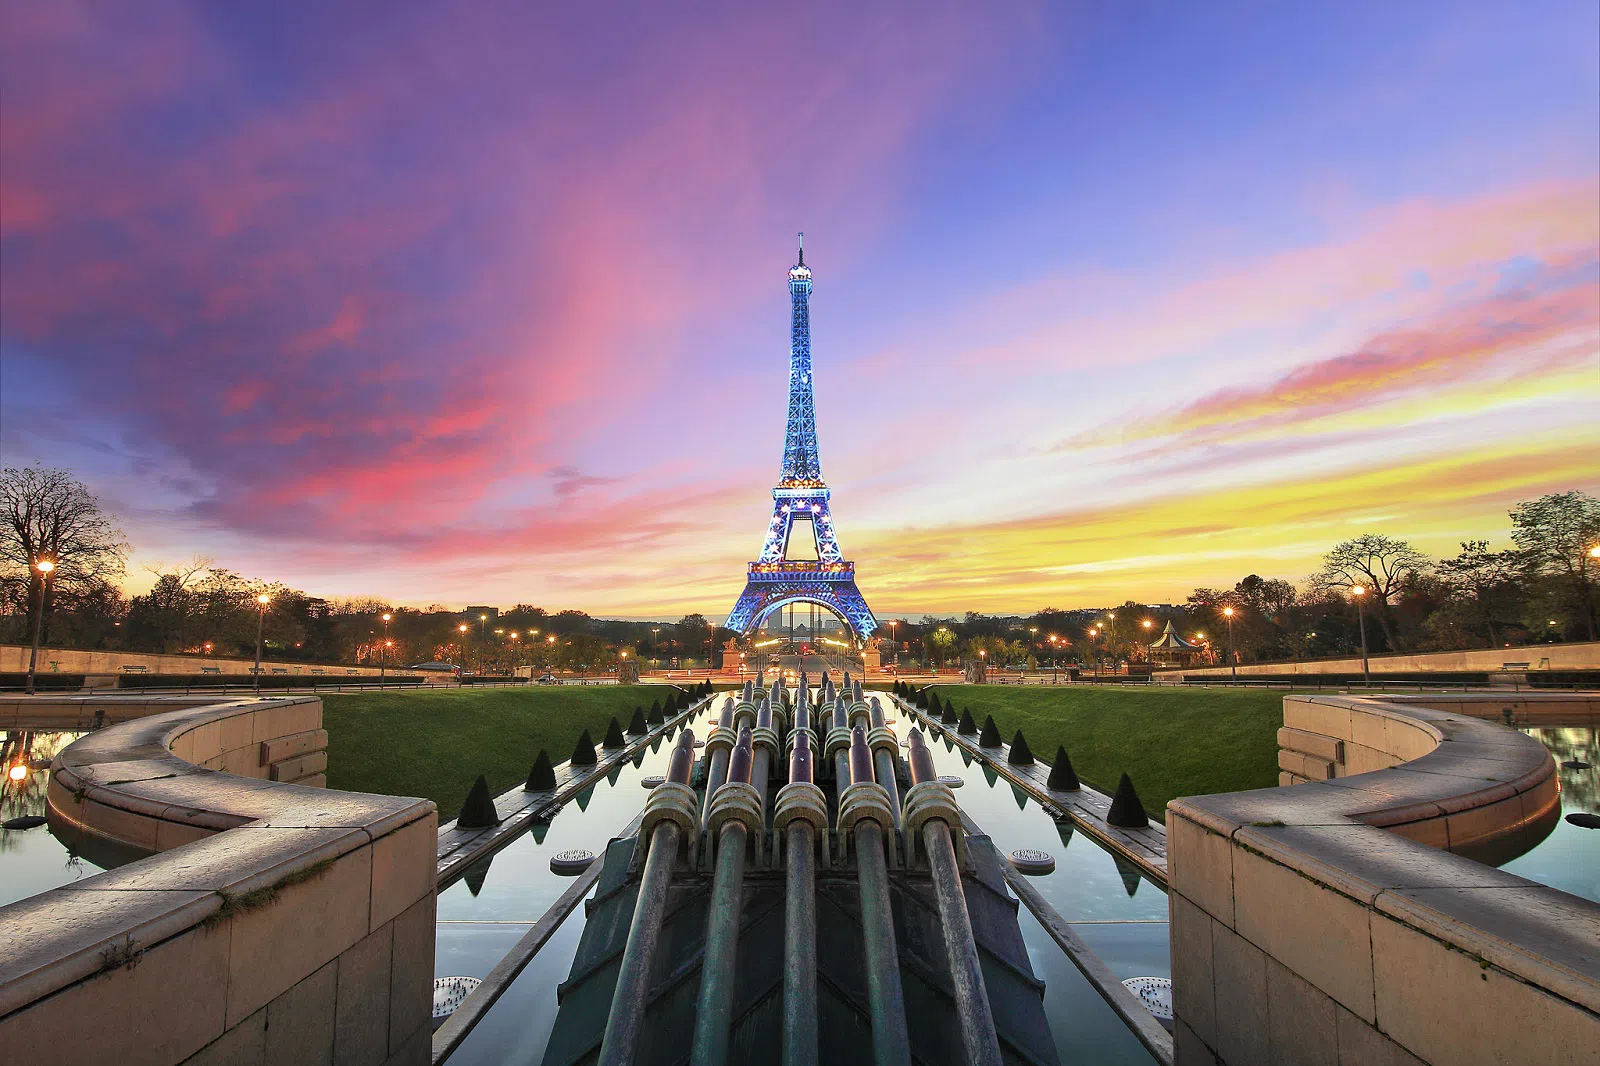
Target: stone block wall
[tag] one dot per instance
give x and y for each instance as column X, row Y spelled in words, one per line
column 1315, row 924
column 303, row 933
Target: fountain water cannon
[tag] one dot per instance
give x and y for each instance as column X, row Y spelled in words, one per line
column 931, row 816
column 885, row 750
column 865, row 816
column 718, row 746
column 670, row 817
column 735, row 820
column 836, row 745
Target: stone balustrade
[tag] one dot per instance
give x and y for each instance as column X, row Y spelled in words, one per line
column 1341, row 921
column 278, row 921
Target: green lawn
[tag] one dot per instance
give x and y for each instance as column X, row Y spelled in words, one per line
column 1171, row 742
column 435, row 744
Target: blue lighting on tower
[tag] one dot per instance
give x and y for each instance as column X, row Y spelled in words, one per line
column 801, row 495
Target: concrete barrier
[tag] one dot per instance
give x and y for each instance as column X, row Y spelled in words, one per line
column 1330, row 922
column 14, row 660
column 1523, row 660
column 278, row 922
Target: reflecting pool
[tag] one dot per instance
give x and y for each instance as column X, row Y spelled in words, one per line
column 31, row 860
column 1569, row 858
column 1118, row 912
column 499, row 898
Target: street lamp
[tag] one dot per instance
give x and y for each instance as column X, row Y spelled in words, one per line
column 1360, row 593
column 1094, row 642
column 262, row 602
column 383, row 656
column 46, row 567
column 1233, row 661
column 483, row 620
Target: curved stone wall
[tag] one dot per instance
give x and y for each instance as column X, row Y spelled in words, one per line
column 1329, row 922
column 278, row 922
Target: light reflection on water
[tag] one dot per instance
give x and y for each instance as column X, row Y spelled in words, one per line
column 1569, row 858
column 31, row 860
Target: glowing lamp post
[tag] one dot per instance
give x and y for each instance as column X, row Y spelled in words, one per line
column 383, row 649
column 1233, row 660
column 262, row 602
column 46, row 567
column 17, row 772
column 1360, row 593
column 462, row 629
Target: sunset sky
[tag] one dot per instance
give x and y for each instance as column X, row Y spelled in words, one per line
column 486, row 304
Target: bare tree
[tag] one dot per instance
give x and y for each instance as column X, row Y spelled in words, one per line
column 49, row 514
column 1555, row 535
column 1382, row 565
column 179, row 580
column 1480, row 577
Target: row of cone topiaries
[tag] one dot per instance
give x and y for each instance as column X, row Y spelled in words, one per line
column 1127, row 811
column 478, row 811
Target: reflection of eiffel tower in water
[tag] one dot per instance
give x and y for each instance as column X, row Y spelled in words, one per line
column 801, row 498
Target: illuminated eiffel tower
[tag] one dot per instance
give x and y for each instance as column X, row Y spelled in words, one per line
column 801, row 497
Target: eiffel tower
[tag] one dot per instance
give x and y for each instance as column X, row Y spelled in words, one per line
column 801, row 498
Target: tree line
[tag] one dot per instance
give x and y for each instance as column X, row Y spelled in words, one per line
column 199, row 608
column 1540, row 587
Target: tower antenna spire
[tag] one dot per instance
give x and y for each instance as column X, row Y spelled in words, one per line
column 802, row 236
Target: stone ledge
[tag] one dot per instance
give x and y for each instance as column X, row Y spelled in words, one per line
column 346, row 863
column 1461, row 783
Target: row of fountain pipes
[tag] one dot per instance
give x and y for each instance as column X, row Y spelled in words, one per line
column 743, row 744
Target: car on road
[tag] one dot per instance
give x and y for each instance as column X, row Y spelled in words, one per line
column 546, row 679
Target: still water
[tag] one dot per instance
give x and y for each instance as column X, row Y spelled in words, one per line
column 1569, row 858
column 1122, row 916
column 31, row 860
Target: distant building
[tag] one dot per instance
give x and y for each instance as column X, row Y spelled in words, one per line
column 474, row 614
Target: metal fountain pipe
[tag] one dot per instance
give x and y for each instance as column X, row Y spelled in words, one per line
column 768, row 748
column 837, row 744
column 860, row 712
column 865, row 815
column 931, row 814
column 749, row 692
column 885, row 751
column 735, row 817
column 670, row 817
column 800, row 817
column 718, row 745
column 744, row 714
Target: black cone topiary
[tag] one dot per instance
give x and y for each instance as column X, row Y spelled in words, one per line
column 1019, row 754
column 542, row 778
column 948, row 716
column 933, row 704
column 583, row 754
column 638, row 725
column 1063, row 778
column 478, row 812
column 990, row 737
column 1126, row 810
column 614, row 737
column 967, row 724
column 655, row 713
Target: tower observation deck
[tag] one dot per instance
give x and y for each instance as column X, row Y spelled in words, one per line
column 801, row 499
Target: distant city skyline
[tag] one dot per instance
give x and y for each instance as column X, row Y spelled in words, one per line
column 488, row 305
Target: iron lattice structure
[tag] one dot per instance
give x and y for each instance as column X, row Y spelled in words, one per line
column 776, row 581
